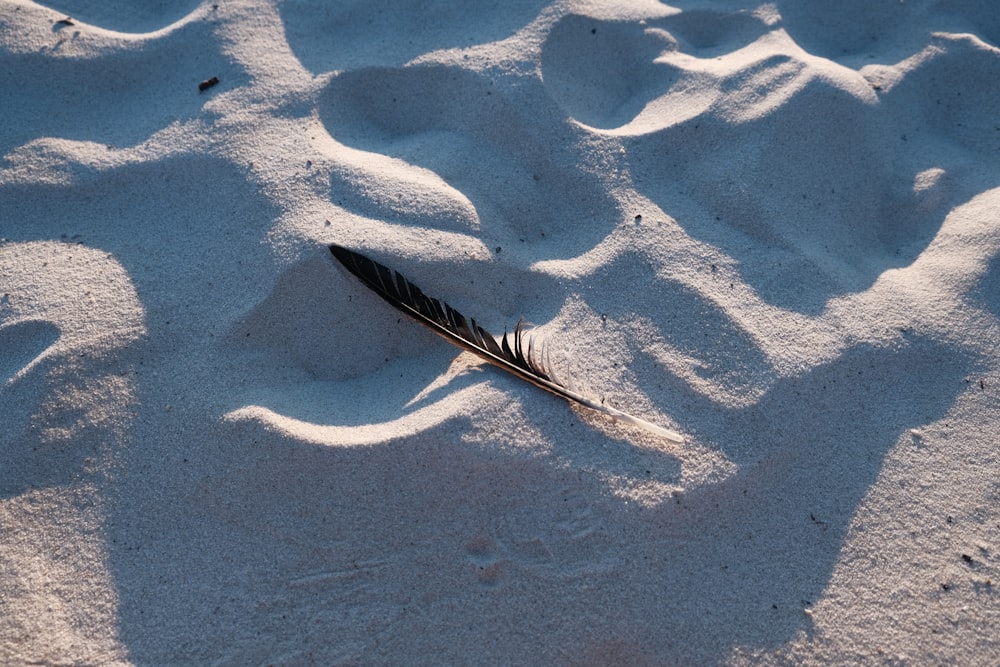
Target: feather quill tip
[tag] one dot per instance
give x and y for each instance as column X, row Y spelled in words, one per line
column 672, row 436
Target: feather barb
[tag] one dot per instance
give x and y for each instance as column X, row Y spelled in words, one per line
column 450, row 324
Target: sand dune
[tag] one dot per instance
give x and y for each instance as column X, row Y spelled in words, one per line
column 771, row 227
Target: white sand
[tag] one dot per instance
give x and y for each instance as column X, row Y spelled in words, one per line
column 774, row 228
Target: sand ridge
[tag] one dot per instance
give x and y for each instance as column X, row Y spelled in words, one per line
column 769, row 226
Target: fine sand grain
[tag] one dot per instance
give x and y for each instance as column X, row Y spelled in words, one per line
column 773, row 228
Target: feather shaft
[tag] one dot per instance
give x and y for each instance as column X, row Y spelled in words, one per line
column 450, row 324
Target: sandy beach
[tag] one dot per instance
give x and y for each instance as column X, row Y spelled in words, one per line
column 773, row 228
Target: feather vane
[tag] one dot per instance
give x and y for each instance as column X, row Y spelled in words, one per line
column 513, row 353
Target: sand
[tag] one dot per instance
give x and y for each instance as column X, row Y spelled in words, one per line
column 773, row 228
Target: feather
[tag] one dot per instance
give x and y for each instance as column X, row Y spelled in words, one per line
column 514, row 354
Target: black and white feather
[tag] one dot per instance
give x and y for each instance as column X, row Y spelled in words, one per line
column 515, row 353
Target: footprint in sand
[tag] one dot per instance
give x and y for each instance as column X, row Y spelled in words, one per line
column 68, row 315
column 484, row 559
column 604, row 73
column 507, row 151
column 86, row 86
column 78, row 308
